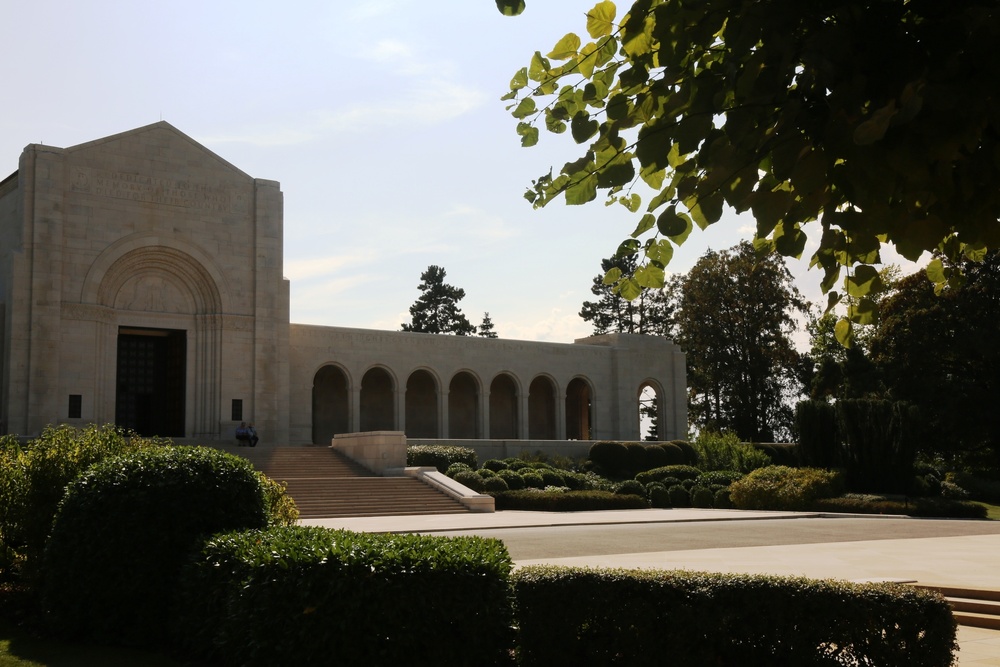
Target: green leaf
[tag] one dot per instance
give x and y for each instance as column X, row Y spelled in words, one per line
column 645, row 224
column 789, row 240
column 843, row 332
column 629, row 289
column 539, row 67
column 582, row 191
column 975, row 251
column 660, row 252
column 875, row 127
column 510, row 7
column 649, row 276
column 670, row 223
column 601, row 19
column 864, row 281
column 613, row 275
column 528, row 133
column 520, row 79
column 565, row 48
column 524, row 109
column 632, row 203
column 587, row 61
column 863, row 312
column 936, row 272
column 583, row 127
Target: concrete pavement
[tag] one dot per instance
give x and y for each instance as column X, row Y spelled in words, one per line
column 852, row 547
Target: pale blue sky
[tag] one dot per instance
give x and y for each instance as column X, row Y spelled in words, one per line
column 382, row 121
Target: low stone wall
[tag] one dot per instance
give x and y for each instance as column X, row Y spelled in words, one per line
column 503, row 449
column 376, row 450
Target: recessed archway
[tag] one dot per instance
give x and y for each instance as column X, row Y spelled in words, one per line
column 421, row 405
column 579, row 410
column 541, row 409
column 463, row 407
column 503, row 408
column 330, row 404
column 377, row 404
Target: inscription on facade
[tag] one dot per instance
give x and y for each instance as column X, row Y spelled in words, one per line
column 155, row 190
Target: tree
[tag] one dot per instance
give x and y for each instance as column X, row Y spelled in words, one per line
column 872, row 119
column 649, row 313
column 486, row 328
column 736, row 315
column 938, row 352
column 436, row 310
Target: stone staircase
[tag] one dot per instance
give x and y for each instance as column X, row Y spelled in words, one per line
column 326, row 484
column 972, row 607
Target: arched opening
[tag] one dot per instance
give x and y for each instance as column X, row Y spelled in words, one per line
column 650, row 422
column 330, row 405
column 541, row 409
column 463, row 407
column 578, row 410
column 421, row 405
column 503, row 408
column 377, row 404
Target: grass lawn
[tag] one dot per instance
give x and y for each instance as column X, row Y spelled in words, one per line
column 992, row 511
column 21, row 649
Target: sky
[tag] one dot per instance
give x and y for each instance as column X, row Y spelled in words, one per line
column 383, row 123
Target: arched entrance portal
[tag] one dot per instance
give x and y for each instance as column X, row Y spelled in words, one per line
column 151, row 378
column 377, row 404
column 463, row 407
column 503, row 408
column 578, row 410
column 330, row 405
column 649, row 413
column 421, row 405
column 541, row 409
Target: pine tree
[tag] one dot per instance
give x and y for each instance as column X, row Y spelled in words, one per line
column 649, row 313
column 436, row 310
column 486, row 328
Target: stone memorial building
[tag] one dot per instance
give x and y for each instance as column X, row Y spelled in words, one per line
column 141, row 284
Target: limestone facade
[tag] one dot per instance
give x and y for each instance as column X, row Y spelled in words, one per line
column 141, row 284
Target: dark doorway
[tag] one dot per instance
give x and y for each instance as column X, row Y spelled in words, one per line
column 152, row 365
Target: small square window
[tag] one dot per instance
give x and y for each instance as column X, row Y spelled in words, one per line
column 75, row 406
column 237, row 409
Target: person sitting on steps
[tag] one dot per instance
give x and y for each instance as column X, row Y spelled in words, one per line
column 243, row 435
column 253, row 435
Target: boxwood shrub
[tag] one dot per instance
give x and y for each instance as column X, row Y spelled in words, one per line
column 611, row 457
column 681, row 472
column 784, row 488
column 567, row 501
column 649, row 617
column 315, row 596
column 440, row 456
column 124, row 529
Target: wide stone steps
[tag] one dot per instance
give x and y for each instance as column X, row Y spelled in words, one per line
column 326, row 484
column 971, row 606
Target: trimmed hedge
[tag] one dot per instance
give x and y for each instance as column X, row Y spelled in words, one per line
column 126, row 526
column 440, row 456
column 681, row 472
column 567, row 501
column 316, row 596
column 648, row 617
column 922, row 507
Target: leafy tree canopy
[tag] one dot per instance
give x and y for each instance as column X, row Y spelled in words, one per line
column 436, row 310
column 649, row 313
column 878, row 121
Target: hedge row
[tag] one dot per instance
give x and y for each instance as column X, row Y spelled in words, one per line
column 648, row 617
column 440, row 456
column 568, row 501
column 310, row 596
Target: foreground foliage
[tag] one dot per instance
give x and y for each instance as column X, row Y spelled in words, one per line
column 636, row 617
column 868, row 118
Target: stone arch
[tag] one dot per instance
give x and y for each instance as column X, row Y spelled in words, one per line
column 650, row 410
column 504, row 424
column 331, row 413
column 378, row 404
column 579, row 409
column 463, row 406
column 542, row 409
column 421, row 405
column 140, row 254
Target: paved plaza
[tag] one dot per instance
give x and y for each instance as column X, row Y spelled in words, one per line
column 856, row 548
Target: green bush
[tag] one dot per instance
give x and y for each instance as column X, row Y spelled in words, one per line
column 33, row 479
column 612, row 457
column 280, row 507
column 646, row 618
column 784, row 488
column 532, row 480
column 631, row 486
column 724, row 451
column 858, row 503
column 659, row 495
column 702, row 497
column 471, row 479
column 495, row 485
column 673, row 454
column 456, row 468
column 720, row 477
column 440, row 456
column 679, row 496
column 567, row 501
column 516, row 464
column 124, row 529
column 657, row 457
column 780, row 453
column 486, row 473
column 316, row 596
column 722, row 501
column 979, row 488
column 690, row 453
column 513, row 479
column 636, row 457
column 495, row 465
column 553, row 478
column 680, row 472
